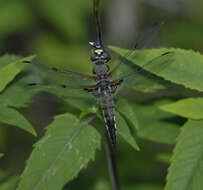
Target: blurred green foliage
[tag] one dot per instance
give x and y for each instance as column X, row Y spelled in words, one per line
column 58, row 32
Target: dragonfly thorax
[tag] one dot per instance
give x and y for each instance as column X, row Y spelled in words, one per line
column 104, row 85
column 101, row 71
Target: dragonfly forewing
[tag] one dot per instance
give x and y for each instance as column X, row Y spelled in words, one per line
column 58, row 77
column 134, row 74
column 143, row 41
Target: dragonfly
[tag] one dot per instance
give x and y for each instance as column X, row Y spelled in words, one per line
column 101, row 83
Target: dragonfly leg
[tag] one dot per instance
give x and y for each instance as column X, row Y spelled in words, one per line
column 115, row 85
column 93, row 91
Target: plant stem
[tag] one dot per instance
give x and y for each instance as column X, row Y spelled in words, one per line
column 111, row 159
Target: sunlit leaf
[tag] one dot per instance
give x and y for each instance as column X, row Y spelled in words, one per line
column 7, row 59
column 185, row 67
column 186, row 170
column 8, row 72
column 191, row 108
column 66, row 148
column 13, row 117
column 20, row 87
column 23, row 92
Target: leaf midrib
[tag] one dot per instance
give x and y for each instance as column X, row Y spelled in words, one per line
column 58, row 156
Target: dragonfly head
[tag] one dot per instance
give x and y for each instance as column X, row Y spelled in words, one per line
column 100, row 55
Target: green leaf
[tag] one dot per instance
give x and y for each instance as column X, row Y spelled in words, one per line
column 37, row 73
column 1, row 155
column 7, row 59
column 186, row 170
column 179, row 68
column 143, row 82
column 10, row 184
column 66, row 148
column 78, row 98
column 23, row 95
column 124, row 107
column 190, row 108
column 13, row 117
column 23, row 92
column 8, row 73
column 164, row 157
column 152, row 125
column 124, row 131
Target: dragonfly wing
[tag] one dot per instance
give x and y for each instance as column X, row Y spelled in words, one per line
column 143, row 41
column 140, row 77
column 65, row 78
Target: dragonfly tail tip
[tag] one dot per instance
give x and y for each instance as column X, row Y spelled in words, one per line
column 112, row 132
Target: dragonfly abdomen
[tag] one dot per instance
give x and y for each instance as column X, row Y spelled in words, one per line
column 107, row 106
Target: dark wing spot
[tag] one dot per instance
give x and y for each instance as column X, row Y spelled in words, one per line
column 63, row 86
column 26, row 61
column 54, row 69
column 32, row 84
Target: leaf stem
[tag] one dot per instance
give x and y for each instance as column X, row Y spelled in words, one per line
column 111, row 159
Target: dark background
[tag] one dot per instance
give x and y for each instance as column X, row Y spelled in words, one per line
column 58, row 33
